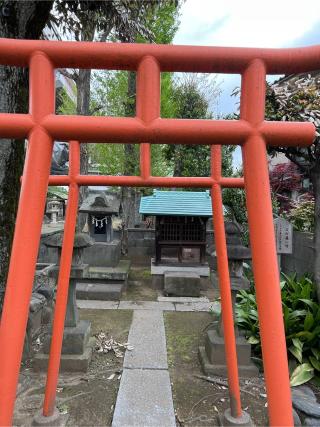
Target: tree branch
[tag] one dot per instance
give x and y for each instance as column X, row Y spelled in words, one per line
column 73, row 76
column 96, row 109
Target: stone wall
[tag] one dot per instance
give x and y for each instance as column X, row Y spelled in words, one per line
column 302, row 257
column 141, row 245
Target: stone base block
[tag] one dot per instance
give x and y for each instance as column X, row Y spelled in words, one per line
column 103, row 254
column 182, row 284
column 220, row 370
column 159, row 271
column 55, row 420
column 75, row 339
column 69, row 362
column 117, row 274
column 227, row 420
column 99, row 291
column 215, row 349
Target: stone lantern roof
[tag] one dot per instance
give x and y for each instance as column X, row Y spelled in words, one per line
column 100, row 204
column 236, row 250
column 81, row 240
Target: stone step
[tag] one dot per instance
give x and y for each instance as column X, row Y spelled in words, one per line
column 182, row 284
column 99, row 291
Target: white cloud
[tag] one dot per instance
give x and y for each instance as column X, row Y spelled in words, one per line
column 246, row 22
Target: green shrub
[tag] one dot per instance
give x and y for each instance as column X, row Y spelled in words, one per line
column 301, row 215
column 301, row 315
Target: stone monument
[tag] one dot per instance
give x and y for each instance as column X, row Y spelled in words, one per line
column 76, row 346
column 100, row 207
column 107, row 276
column 212, row 355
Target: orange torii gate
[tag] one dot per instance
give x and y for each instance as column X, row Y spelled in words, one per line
column 42, row 126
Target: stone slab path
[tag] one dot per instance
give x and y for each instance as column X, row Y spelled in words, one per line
column 145, row 397
column 147, row 305
column 147, row 335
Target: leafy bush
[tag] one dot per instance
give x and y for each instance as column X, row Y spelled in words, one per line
column 301, row 215
column 301, row 314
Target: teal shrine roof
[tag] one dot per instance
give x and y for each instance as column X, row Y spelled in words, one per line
column 180, row 203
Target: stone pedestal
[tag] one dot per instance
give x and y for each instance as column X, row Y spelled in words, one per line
column 76, row 345
column 212, row 355
column 213, row 359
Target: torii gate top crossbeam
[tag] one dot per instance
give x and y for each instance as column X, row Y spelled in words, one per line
column 201, row 59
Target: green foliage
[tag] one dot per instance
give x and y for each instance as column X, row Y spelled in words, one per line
column 234, row 201
column 110, row 98
column 301, row 315
column 64, row 104
column 190, row 97
column 58, row 191
column 302, row 215
column 122, row 19
column 162, row 22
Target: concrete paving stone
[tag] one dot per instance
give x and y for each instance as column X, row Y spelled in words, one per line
column 146, row 305
column 98, row 305
column 182, row 299
column 193, row 306
column 144, row 399
column 147, row 335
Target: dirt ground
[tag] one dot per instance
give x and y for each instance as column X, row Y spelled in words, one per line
column 139, row 286
column 87, row 399
column 198, row 402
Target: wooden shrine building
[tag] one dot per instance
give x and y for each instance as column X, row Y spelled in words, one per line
column 180, row 226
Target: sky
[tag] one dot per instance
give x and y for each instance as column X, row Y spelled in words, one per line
column 247, row 23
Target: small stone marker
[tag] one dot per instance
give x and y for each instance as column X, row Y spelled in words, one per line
column 283, row 232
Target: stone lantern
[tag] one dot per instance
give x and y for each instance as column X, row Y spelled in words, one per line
column 53, row 208
column 212, row 356
column 76, row 347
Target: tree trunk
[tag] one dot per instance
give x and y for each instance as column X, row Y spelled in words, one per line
column 17, row 20
column 315, row 177
column 178, row 162
column 128, row 194
column 83, row 109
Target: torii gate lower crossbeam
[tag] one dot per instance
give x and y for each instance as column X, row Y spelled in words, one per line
column 251, row 132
